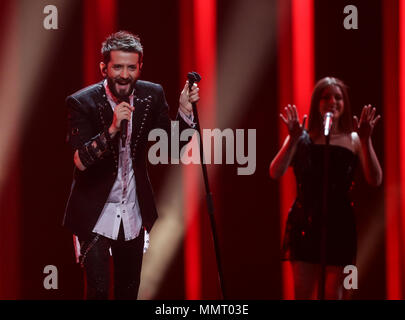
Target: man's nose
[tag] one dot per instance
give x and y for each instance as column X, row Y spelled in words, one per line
column 124, row 73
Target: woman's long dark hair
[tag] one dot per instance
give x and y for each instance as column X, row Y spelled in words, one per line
column 315, row 121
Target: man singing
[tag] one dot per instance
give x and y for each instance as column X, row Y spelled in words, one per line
column 111, row 201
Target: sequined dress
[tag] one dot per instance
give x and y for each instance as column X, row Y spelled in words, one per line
column 303, row 229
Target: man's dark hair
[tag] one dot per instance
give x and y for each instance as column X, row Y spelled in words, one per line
column 122, row 41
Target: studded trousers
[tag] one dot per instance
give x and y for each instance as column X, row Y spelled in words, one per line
column 127, row 261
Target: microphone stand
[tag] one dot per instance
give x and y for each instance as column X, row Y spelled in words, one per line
column 192, row 78
column 324, row 215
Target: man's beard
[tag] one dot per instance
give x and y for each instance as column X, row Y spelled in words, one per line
column 121, row 93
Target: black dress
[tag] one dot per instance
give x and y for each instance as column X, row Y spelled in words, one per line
column 303, row 230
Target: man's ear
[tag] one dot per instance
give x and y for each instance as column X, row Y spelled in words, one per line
column 103, row 69
column 140, row 66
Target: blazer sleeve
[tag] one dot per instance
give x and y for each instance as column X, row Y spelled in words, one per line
column 81, row 136
column 79, row 125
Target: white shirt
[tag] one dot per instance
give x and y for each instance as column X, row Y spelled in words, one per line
column 122, row 202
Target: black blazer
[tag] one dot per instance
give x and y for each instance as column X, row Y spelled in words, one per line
column 89, row 113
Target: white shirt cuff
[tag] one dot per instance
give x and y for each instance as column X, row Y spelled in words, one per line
column 188, row 119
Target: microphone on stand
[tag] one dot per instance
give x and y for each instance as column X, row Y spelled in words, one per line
column 124, row 126
column 327, row 123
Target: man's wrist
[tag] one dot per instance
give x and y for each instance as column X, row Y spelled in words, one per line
column 188, row 119
column 187, row 113
column 112, row 130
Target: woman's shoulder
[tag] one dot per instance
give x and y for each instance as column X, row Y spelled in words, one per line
column 304, row 142
column 305, row 136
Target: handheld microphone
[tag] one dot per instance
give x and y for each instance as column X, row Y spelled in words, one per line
column 192, row 78
column 327, row 123
column 124, row 126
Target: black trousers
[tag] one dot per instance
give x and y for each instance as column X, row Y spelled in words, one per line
column 127, row 259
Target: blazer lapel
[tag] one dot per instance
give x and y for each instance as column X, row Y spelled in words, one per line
column 137, row 116
column 105, row 111
column 139, row 119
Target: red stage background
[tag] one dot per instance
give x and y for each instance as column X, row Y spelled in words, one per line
column 254, row 57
